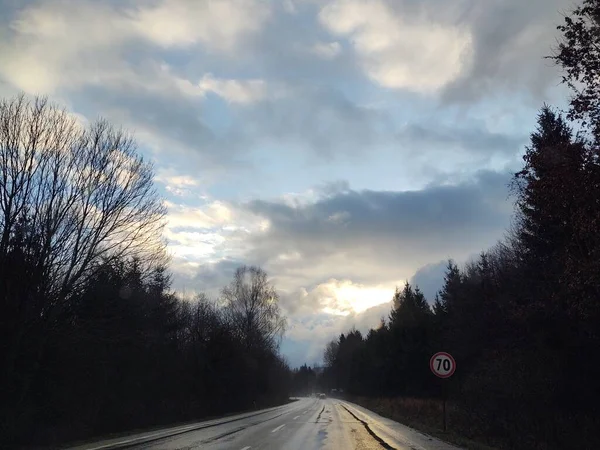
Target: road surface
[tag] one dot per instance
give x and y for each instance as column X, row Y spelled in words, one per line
column 305, row 424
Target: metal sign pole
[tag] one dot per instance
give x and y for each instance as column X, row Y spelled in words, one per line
column 444, row 403
column 443, row 365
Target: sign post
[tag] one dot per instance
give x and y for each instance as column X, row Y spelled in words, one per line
column 443, row 365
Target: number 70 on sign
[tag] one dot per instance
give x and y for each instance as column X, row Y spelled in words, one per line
column 442, row 364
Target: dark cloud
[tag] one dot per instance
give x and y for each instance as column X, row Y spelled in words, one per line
column 209, row 278
column 322, row 119
column 217, row 275
column 474, row 140
column 285, row 47
column 322, row 122
column 371, row 237
column 176, row 122
column 510, row 40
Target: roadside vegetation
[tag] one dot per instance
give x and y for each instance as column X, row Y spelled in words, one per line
column 523, row 319
column 92, row 338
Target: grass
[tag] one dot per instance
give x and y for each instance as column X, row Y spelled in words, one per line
column 425, row 415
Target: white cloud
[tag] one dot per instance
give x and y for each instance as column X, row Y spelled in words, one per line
column 234, row 91
column 58, row 43
column 179, row 184
column 71, row 43
column 327, row 50
column 213, row 214
column 311, row 332
column 193, row 245
column 340, row 297
column 199, row 236
column 217, row 24
column 398, row 52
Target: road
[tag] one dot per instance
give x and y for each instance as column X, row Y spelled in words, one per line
column 305, row 424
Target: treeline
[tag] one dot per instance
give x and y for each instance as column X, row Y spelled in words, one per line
column 523, row 319
column 306, row 381
column 92, row 338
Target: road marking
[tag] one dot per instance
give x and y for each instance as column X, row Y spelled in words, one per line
column 296, row 417
column 177, row 430
column 246, row 448
column 305, row 412
column 278, row 428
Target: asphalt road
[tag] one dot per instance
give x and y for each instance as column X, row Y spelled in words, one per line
column 305, row 424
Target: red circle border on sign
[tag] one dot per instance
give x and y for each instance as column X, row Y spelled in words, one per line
column 449, row 374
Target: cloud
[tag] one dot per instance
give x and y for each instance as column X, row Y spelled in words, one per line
column 447, row 150
column 56, row 43
column 188, row 100
column 232, row 90
column 381, row 237
column 323, row 121
column 72, row 43
column 327, row 50
column 338, row 250
column 510, row 39
column 180, row 185
column 430, row 279
column 336, row 297
column 397, row 51
column 307, row 336
column 217, row 24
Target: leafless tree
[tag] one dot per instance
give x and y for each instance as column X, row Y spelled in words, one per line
column 252, row 307
column 81, row 194
column 72, row 196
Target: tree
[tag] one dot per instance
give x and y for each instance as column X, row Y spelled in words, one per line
column 85, row 193
column 72, row 198
column 579, row 56
column 252, row 306
column 331, row 352
column 410, row 308
column 558, row 213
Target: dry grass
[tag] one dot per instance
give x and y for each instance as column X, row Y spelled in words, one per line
column 425, row 415
column 506, row 427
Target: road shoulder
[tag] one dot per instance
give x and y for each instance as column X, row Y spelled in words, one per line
column 395, row 434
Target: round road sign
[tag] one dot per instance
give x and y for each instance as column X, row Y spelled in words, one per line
column 442, row 364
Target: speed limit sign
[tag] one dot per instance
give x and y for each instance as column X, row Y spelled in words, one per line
column 442, row 364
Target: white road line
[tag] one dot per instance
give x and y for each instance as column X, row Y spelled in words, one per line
column 304, row 412
column 176, row 430
column 296, row 417
column 246, row 448
column 278, row 428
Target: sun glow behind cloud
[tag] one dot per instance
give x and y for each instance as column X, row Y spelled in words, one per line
column 343, row 297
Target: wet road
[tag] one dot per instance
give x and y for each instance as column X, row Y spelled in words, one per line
column 305, row 424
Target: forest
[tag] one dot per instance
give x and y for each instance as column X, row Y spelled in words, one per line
column 93, row 339
column 522, row 320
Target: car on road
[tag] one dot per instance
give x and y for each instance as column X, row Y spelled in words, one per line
column 322, row 396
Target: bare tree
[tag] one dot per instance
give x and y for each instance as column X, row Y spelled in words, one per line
column 252, row 306
column 82, row 194
column 71, row 197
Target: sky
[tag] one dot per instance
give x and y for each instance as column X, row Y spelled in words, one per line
column 345, row 146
